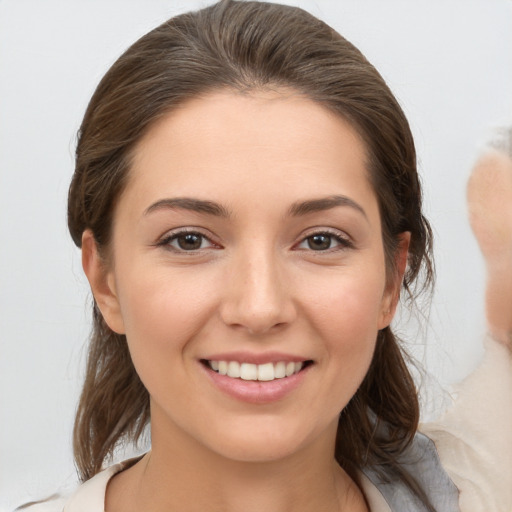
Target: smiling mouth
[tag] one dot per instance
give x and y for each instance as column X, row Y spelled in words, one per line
column 259, row 372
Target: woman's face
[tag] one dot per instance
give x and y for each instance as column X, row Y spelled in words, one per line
column 247, row 240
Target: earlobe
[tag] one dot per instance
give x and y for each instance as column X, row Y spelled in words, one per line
column 102, row 283
column 392, row 292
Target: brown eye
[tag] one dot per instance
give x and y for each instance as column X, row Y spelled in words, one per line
column 320, row 242
column 187, row 241
column 325, row 241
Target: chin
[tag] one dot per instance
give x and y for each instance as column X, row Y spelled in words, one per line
column 270, row 441
column 258, row 451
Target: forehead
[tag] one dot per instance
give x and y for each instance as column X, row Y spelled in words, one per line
column 273, row 143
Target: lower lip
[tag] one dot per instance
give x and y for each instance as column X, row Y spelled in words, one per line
column 255, row 391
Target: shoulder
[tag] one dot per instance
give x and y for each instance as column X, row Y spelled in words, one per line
column 88, row 497
column 474, row 435
column 54, row 503
column 418, row 463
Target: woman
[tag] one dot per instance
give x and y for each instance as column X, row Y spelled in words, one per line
column 248, row 208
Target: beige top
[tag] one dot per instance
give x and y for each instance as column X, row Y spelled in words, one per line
column 473, row 440
column 90, row 497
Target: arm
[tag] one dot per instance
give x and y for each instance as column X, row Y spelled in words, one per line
column 474, row 437
column 490, row 213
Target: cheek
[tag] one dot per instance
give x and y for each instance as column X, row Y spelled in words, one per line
column 348, row 304
column 346, row 314
column 161, row 314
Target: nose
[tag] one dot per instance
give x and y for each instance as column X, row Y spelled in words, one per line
column 257, row 297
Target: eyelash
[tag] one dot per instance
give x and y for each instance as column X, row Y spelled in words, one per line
column 167, row 240
column 342, row 241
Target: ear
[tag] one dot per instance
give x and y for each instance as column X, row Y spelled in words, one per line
column 101, row 280
column 394, row 284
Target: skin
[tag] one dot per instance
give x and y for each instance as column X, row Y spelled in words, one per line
column 489, row 194
column 253, row 285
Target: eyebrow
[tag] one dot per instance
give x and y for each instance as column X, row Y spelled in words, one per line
column 297, row 209
column 324, row 203
column 188, row 203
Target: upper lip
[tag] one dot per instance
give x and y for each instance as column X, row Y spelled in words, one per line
column 256, row 358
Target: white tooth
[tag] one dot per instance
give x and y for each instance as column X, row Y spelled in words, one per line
column 298, row 367
column 248, row 371
column 223, row 367
column 234, row 369
column 214, row 365
column 266, row 371
column 280, row 370
column 290, row 368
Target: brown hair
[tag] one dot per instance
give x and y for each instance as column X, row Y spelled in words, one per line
column 243, row 46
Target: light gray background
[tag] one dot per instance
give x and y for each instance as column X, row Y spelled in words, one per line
column 449, row 63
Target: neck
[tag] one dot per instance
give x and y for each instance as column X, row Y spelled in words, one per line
column 181, row 474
